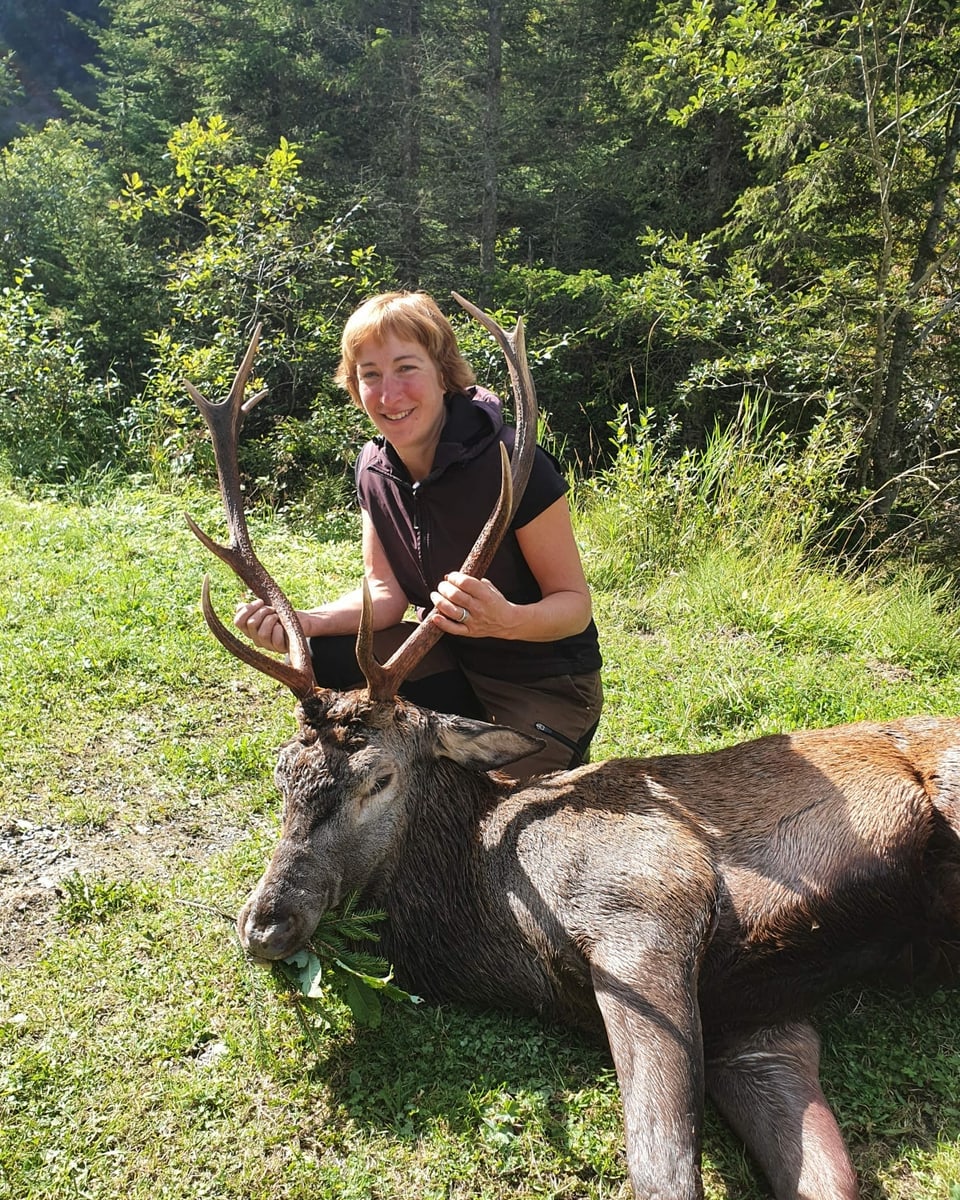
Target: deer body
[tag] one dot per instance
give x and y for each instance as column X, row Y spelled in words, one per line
column 691, row 908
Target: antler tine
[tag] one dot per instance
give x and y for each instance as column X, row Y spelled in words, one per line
column 224, row 419
column 383, row 681
column 276, row 668
column 514, row 348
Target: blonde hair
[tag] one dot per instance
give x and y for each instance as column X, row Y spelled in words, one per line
column 413, row 317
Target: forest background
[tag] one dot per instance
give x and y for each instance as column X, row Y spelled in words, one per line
column 694, row 206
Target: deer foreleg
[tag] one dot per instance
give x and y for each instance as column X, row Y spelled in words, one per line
column 653, row 1026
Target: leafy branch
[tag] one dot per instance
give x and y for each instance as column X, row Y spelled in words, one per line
column 333, row 966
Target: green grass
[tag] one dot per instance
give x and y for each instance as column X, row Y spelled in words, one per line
column 141, row 1056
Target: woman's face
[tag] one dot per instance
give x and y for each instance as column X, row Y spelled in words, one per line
column 402, row 393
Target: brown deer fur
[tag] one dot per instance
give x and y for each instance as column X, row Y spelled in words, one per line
column 692, row 908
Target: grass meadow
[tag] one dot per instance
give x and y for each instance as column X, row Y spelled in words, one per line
column 142, row 1057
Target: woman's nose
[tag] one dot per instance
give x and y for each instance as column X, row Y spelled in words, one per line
column 390, row 389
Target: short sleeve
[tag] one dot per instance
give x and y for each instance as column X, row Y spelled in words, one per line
column 545, row 487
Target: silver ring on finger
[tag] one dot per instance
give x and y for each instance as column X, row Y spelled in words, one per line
column 464, row 617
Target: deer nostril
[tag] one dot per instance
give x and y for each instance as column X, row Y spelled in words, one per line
column 270, row 938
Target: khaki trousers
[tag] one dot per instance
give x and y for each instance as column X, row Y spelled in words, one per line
column 562, row 710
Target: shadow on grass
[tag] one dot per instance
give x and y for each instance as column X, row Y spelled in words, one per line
column 890, row 1067
column 504, row 1086
column 508, row 1087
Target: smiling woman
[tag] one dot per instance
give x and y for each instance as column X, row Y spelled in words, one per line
column 523, row 648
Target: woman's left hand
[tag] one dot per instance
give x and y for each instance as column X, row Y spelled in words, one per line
column 469, row 607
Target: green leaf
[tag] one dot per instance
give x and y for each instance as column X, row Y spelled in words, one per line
column 305, row 971
column 363, row 1002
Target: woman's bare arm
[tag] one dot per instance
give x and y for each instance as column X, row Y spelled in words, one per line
column 548, row 545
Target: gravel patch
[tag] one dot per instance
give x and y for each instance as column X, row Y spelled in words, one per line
column 36, row 858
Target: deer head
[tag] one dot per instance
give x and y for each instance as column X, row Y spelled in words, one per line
column 359, row 777
column 358, row 756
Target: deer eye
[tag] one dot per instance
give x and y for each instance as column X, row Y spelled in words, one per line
column 381, row 783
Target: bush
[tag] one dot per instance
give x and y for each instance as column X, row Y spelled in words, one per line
column 247, row 244
column 56, row 425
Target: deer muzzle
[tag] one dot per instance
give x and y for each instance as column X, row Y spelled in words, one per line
column 279, row 918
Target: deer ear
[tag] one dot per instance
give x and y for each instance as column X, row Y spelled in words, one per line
column 483, row 747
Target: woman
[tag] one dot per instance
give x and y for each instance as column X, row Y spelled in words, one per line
column 523, row 648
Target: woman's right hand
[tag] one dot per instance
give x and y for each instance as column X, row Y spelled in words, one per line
column 261, row 625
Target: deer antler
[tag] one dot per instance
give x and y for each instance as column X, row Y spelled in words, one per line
column 384, row 681
column 224, row 419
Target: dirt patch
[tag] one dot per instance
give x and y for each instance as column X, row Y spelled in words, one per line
column 890, row 672
column 36, row 858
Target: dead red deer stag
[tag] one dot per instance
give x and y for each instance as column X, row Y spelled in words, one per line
column 692, row 909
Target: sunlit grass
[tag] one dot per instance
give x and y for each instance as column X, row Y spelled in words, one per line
column 141, row 1056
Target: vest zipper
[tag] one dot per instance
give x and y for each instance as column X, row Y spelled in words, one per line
column 419, row 532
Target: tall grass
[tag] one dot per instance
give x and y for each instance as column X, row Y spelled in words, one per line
column 750, row 489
